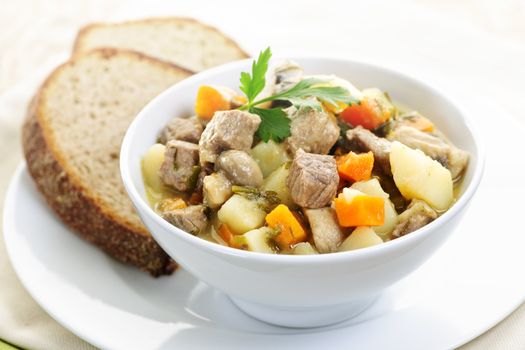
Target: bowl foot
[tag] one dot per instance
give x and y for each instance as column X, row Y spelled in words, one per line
column 304, row 317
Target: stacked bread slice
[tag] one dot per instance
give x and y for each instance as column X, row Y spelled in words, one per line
column 76, row 122
column 184, row 42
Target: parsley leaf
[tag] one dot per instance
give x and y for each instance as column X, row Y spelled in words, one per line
column 309, row 102
column 253, row 84
column 313, row 87
column 275, row 124
column 308, row 93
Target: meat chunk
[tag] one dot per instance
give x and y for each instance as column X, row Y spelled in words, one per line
column 240, row 168
column 326, row 232
column 180, row 168
column 433, row 146
column 184, row 129
column 417, row 215
column 313, row 179
column 191, row 219
column 287, row 74
column 365, row 140
column 312, row 130
column 216, row 189
column 227, row 130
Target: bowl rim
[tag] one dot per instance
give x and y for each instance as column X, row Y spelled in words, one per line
column 317, row 259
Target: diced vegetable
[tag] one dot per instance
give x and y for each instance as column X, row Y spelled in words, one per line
column 354, row 208
column 418, row 176
column 270, row 156
column 291, row 229
column 370, row 187
column 151, row 163
column 241, row 214
column 416, row 120
column 237, row 101
column 390, row 222
column 215, row 237
column 373, row 188
column 257, row 240
column 375, row 109
column 169, row 204
column 276, row 182
column 226, row 234
column 361, row 237
column 334, row 81
column 266, row 200
column 326, row 232
column 211, row 99
column 304, row 248
column 355, row 167
column 338, row 107
column 362, row 114
column 216, row 189
column 382, row 100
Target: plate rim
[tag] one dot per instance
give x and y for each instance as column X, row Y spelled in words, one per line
column 10, row 243
column 8, row 228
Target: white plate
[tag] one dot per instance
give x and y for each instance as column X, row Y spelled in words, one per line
column 471, row 284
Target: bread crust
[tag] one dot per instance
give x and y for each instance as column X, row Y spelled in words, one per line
column 84, row 31
column 73, row 203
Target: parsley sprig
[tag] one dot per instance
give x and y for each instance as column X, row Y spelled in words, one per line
column 253, row 84
column 308, row 93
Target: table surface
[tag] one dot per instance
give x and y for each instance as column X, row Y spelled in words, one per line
column 491, row 64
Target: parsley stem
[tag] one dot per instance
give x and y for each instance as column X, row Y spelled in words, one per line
column 261, row 101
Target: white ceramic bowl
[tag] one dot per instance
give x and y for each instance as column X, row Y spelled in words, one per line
column 309, row 290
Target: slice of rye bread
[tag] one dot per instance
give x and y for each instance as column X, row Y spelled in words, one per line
column 182, row 41
column 72, row 137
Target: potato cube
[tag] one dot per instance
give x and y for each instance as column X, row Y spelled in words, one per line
column 241, row 214
column 418, row 176
column 361, row 237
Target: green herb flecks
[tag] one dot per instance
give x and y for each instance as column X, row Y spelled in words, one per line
column 194, row 177
column 266, row 200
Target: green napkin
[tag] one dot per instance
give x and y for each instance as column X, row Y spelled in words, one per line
column 5, row 346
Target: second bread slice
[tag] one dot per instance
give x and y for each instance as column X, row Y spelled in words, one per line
column 182, row 41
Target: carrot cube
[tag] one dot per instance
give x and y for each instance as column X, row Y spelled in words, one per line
column 363, row 210
column 291, row 229
column 363, row 114
column 419, row 122
column 355, row 167
column 209, row 101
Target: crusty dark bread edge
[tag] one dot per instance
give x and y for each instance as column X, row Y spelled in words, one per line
column 84, row 30
column 104, row 53
column 71, row 202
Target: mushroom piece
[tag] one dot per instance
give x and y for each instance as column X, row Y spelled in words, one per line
column 240, row 168
column 417, row 215
column 326, row 232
